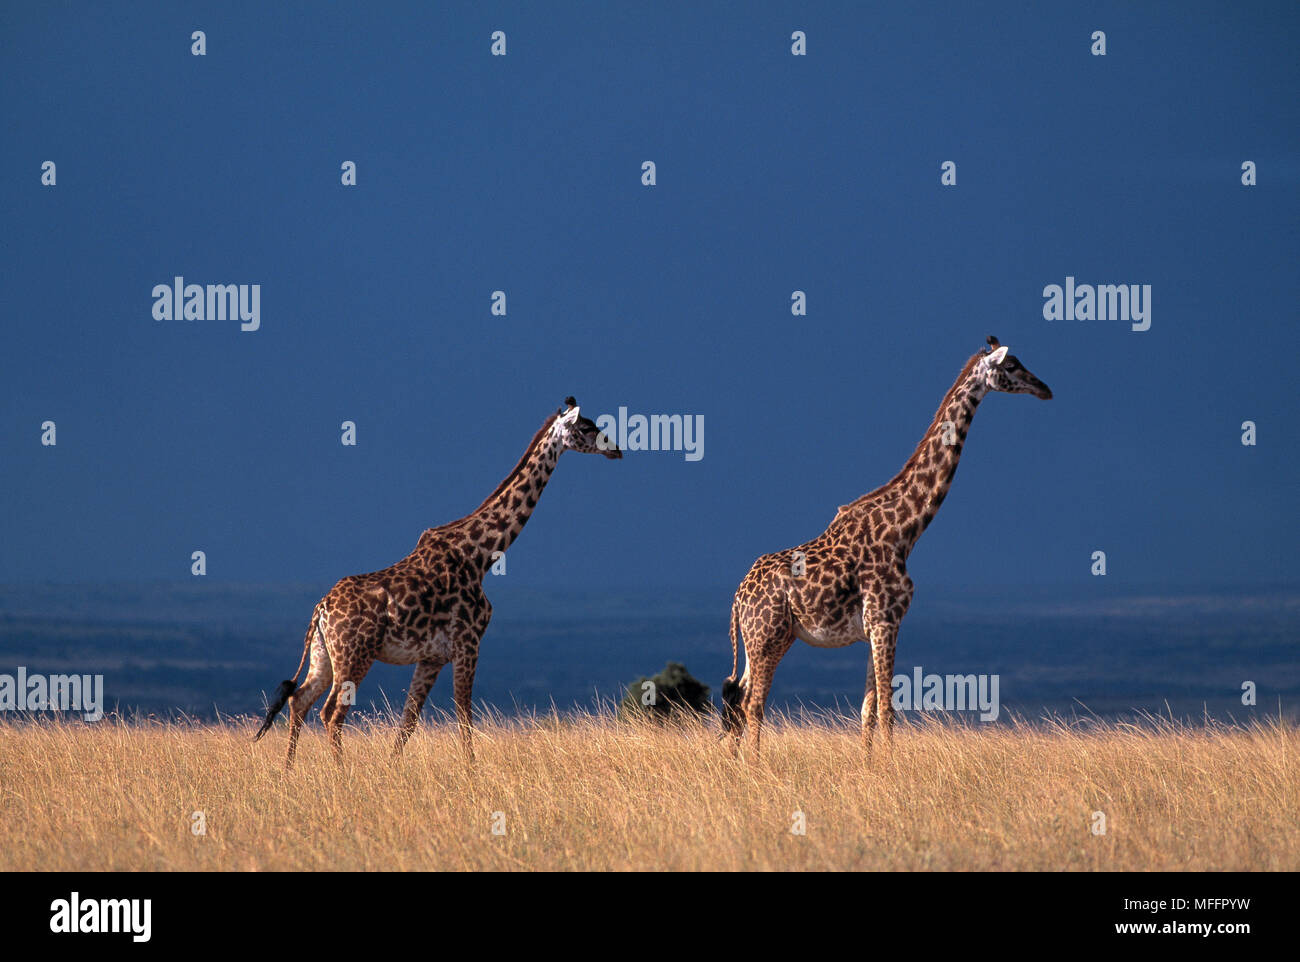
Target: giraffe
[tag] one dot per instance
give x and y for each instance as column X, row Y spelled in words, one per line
column 851, row 583
column 428, row 609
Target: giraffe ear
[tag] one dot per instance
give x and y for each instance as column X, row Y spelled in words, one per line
column 997, row 357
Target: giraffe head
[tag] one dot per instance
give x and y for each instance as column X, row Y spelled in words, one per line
column 1003, row 372
column 580, row 434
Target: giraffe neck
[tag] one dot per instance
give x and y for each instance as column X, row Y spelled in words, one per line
column 496, row 523
column 924, row 481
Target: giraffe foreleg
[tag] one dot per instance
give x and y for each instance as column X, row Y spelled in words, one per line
column 422, row 682
column 869, row 707
column 463, row 689
column 471, row 622
column 884, row 639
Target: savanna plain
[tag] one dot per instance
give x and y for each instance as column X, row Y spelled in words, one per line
column 588, row 791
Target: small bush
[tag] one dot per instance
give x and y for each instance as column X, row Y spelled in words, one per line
column 673, row 693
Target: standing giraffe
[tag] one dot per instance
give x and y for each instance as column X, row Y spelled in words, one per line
column 428, row 609
column 851, row 584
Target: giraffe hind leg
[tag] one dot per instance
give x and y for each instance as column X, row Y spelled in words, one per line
column 759, row 670
column 342, row 696
column 733, row 711
column 319, row 678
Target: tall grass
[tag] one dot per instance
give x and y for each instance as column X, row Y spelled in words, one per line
column 587, row 792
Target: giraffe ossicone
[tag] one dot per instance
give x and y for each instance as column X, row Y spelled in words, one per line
column 428, row 609
column 850, row 584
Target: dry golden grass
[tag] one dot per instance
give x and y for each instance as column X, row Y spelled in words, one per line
column 587, row 792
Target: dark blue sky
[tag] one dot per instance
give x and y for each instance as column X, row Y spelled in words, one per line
column 775, row 173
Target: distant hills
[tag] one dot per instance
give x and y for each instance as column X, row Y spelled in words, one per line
column 206, row 647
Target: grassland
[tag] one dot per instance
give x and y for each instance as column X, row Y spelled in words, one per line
column 590, row 793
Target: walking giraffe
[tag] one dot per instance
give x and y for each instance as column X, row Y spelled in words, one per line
column 851, row 584
column 428, row 609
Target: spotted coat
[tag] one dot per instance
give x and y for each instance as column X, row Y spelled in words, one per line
column 850, row 584
column 428, row 609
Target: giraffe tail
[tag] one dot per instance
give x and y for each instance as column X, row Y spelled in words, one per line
column 732, row 691
column 289, row 686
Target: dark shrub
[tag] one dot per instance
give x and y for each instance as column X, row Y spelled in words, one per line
column 676, row 693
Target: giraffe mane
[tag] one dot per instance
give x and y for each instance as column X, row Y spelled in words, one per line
column 514, row 473
column 916, row 455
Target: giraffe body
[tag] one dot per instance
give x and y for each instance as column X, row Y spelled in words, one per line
column 428, row 609
column 850, row 584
